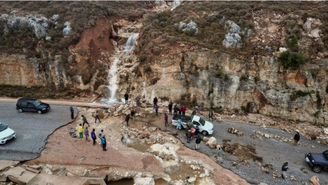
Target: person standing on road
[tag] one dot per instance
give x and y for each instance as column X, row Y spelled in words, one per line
column 170, row 107
column 97, row 117
column 219, row 155
column 156, row 109
column 80, row 129
column 284, row 169
column 197, row 131
column 296, row 137
column 183, row 110
column 71, row 110
column 179, row 108
column 86, row 133
column 85, row 121
column 104, row 143
column 210, row 115
column 179, row 124
column 198, row 140
column 138, row 101
column 188, row 134
column 192, row 130
column 93, row 136
column 155, row 101
column 175, row 109
column 193, row 112
column 198, row 111
column 166, row 119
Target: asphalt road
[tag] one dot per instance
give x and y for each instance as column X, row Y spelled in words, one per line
column 32, row 130
column 273, row 151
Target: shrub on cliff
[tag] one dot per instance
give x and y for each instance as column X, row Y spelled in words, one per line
column 291, row 60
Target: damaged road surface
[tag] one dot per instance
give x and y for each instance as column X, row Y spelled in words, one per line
column 32, row 130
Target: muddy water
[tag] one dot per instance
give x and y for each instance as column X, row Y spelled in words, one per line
column 139, row 146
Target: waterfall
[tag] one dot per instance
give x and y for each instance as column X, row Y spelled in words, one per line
column 112, row 78
column 112, row 73
column 130, row 43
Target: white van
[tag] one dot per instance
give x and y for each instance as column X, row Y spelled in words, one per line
column 205, row 127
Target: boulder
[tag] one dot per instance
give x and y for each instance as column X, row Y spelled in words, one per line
column 192, row 180
column 205, row 139
column 212, row 142
column 314, row 180
column 138, row 180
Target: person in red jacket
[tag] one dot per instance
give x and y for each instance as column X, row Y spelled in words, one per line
column 166, row 118
column 193, row 130
column 183, row 110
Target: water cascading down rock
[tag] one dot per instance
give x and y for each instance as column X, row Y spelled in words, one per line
column 113, row 71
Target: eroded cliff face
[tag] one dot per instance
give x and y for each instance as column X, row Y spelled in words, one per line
column 239, row 72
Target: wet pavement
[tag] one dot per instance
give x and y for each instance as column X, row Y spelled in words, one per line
column 32, row 130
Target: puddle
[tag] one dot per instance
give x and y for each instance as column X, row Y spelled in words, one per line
column 182, row 171
column 122, row 182
column 139, row 146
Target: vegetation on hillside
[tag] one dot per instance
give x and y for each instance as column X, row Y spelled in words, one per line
column 160, row 30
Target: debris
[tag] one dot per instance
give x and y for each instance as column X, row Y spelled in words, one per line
column 265, row 170
column 293, row 178
column 276, row 175
column 314, row 180
column 212, row 142
column 235, row 131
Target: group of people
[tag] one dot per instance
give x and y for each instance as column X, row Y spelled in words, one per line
column 101, row 136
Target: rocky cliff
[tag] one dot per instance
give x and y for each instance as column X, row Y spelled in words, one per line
column 267, row 58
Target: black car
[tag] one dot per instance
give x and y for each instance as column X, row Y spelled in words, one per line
column 32, row 105
column 317, row 161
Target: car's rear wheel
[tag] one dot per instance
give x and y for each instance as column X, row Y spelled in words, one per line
column 20, row 110
column 39, row 112
column 205, row 133
column 316, row 169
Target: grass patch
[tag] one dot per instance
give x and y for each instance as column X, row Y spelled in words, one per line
column 291, row 60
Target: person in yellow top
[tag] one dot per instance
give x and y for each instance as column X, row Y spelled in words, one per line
column 80, row 129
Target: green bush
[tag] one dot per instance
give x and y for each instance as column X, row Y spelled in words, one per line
column 292, row 44
column 291, row 60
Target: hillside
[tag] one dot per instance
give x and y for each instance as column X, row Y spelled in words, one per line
column 233, row 57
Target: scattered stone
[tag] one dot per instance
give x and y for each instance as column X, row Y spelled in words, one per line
column 192, row 180
column 69, row 174
column 265, row 170
column 262, row 183
column 205, row 139
column 235, row 131
column 212, row 142
column 234, row 163
column 276, row 175
column 293, row 178
column 314, row 180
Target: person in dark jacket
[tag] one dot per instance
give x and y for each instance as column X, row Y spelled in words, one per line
column 197, row 130
column 71, row 110
column 156, row 110
column 126, row 97
column 188, row 134
column 193, row 112
column 85, row 121
column 155, row 101
column 198, row 140
column 210, row 115
column 296, row 138
column 133, row 112
column 127, row 118
column 284, row 169
column 104, row 143
column 175, row 109
column 93, row 136
column 170, row 107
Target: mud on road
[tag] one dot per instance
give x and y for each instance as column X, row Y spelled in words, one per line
column 256, row 157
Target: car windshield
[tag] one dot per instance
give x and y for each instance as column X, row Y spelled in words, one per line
column 202, row 121
column 325, row 154
column 36, row 103
column 3, row 127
